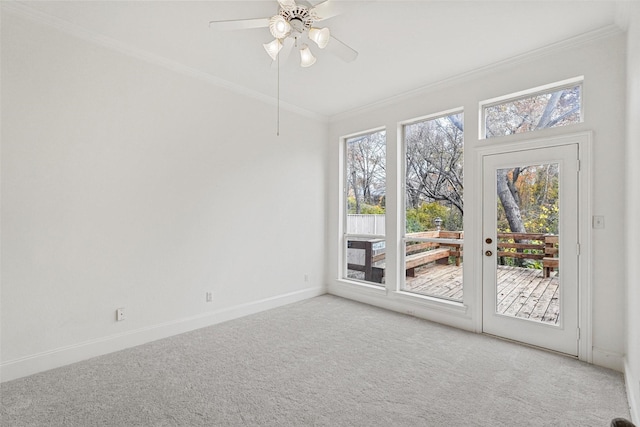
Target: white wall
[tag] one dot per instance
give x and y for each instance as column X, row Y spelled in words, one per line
column 633, row 212
column 128, row 185
column 600, row 58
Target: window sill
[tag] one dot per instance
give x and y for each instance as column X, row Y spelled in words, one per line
column 431, row 302
column 362, row 286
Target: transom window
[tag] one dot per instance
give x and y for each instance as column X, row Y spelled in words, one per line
column 537, row 109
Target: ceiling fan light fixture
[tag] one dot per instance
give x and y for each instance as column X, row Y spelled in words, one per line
column 279, row 27
column 273, row 48
column 320, row 36
column 306, row 57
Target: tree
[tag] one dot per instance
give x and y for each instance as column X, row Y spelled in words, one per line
column 533, row 113
column 423, row 217
column 509, row 198
column 366, row 170
column 434, row 171
column 540, row 111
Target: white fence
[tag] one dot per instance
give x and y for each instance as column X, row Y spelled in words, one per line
column 365, row 224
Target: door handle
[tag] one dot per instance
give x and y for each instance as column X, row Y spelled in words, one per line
column 488, row 253
column 488, row 240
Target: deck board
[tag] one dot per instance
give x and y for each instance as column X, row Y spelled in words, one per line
column 522, row 292
column 553, row 310
column 537, row 288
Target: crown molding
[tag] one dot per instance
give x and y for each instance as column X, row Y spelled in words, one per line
column 558, row 47
column 23, row 10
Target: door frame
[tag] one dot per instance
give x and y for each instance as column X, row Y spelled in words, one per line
column 518, row 143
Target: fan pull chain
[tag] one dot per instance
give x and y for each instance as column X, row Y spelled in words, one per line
column 278, row 116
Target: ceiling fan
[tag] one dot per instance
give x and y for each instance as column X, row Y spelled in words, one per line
column 293, row 26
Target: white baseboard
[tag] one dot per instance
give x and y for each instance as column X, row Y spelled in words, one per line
column 425, row 308
column 58, row 357
column 608, row 359
column 633, row 390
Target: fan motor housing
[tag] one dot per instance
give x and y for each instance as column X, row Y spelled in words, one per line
column 299, row 17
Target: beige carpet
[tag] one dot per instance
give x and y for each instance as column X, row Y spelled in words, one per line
column 322, row 362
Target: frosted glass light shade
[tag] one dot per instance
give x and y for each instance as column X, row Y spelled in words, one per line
column 306, row 57
column 279, row 27
column 273, row 48
column 320, row 36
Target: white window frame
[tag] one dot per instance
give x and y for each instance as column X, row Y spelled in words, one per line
column 342, row 250
column 402, row 256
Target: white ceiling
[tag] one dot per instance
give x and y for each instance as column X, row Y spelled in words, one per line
column 402, row 45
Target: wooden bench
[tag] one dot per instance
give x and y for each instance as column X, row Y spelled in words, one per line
column 448, row 240
column 413, row 261
column 418, row 253
column 422, row 258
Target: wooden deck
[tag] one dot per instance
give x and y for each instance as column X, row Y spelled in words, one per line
column 523, row 292
column 441, row 281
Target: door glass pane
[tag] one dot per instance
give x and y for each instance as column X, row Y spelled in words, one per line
column 527, row 242
column 434, row 207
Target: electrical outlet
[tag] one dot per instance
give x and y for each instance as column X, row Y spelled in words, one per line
column 306, row 277
column 209, row 296
column 120, row 314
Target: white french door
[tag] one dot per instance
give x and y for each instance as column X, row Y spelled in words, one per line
column 530, row 246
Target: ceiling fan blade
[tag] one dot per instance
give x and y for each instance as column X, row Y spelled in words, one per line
column 287, row 4
column 239, row 24
column 285, row 52
column 341, row 50
column 329, row 8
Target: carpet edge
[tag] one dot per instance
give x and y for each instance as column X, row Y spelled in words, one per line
column 55, row 358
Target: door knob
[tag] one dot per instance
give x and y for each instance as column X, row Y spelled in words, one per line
column 488, row 240
column 488, row 253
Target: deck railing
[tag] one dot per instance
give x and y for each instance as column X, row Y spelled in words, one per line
column 539, row 247
column 421, row 248
column 445, row 247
